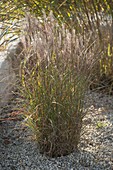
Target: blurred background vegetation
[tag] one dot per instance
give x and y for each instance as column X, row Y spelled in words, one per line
column 68, row 11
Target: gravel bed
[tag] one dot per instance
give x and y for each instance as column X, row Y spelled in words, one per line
column 19, row 151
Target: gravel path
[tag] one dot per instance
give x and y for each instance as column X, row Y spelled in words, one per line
column 18, row 150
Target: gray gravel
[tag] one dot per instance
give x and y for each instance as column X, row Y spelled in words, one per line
column 19, row 151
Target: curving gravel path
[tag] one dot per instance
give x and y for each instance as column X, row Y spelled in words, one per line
column 18, row 150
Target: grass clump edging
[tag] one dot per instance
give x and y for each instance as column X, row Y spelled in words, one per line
column 54, row 77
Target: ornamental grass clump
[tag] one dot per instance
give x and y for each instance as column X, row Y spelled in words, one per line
column 55, row 76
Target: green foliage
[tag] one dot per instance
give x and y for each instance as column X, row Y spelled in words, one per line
column 101, row 124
